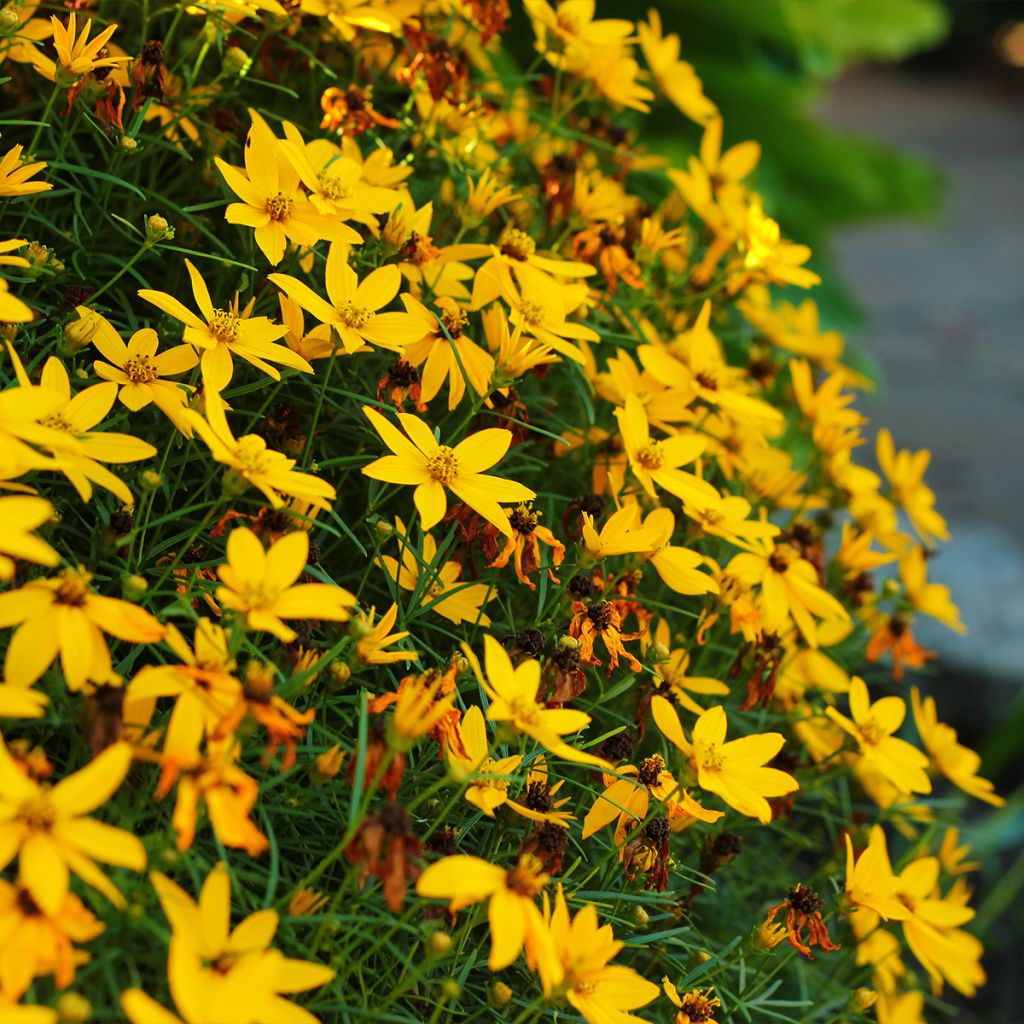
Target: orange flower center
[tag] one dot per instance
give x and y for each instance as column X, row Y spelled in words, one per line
column 74, row 587
column 443, row 466
column 224, row 326
column 353, row 316
column 651, row 456
column 280, row 206
column 527, row 878
column 140, row 370
column 331, row 186
column 37, row 812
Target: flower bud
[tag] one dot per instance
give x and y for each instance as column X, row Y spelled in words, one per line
column 769, row 935
column 73, row 1008
column 383, row 529
column 9, row 18
column 328, row 764
column 133, row 588
column 340, row 673
column 235, row 62
column 150, row 480
column 864, row 998
column 157, row 229
column 450, row 988
column 128, row 144
column 501, row 994
column 640, row 917
column 78, row 333
column 439, row 943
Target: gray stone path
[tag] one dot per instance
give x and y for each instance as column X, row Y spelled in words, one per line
column 946, row 307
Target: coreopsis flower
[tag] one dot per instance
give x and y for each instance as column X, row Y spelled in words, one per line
column 672, row 674
column 139, row 371
column 512, row 894
column 488, row 193
column 423, row 704
column 789, row 589
column 419, row 460
column 375, row 638
column 735, row 770
column 958, row 763
column 217, row 973
column 627, row 799
column 893, row 635
column 68, row 419
column 445, row 353
column 251, row 462
column 574, row 959
column 49, row 831
column 699, row 1004
column 273, row 202
column 442, row 590
column 931, row 599
column 77, row 55
column 515, row 354
column 602, row 620
column 568, row 34
column 261, row 584
column 678, row 567
column 488, row 779
column 221, row 334
column 932, row 930
column 64, row 616
column 202, row 683
column 622, row 534
column 905, row 472
column 513, row 691
column 872, row 726
column 335, row 181
column 803, row 908
column 35, row 943
column 767, row 256
column 870, row 881
column 676, row 79
column 15, row 173
column 352, row 307
column 656, row 463
column 523, row 547
column 21, row 515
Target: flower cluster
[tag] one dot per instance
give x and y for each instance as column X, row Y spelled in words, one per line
column 434, row 534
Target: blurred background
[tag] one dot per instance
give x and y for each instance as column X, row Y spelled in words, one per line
column 893, row 138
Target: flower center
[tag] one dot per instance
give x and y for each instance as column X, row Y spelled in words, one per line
column 331, row 186
column 651, row 456
column 706, row 380
column 443, row 466
column 871, row 732
column 140, row 370
column 712, row 760
column 523, row 519
column 516, row 244
column 56, row 421
column 353, row 316
column 280, row 206
column 37, row 812
column 533, row 312
column 649, row 770
column 252, row 453
column 527, row 878
column 74, row 587
column 224, row 326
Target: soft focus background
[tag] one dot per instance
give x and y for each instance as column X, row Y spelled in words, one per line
column 893, row 135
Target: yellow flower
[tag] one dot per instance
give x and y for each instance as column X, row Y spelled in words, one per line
column 676, row 79
column 15, row 173
column 574, row 959
column 223, row 333
column 20, row 515
column 656, row 463
column 870, row 882
column 419, row 460
column 202, row 684
column 958, row 763
column 374, row 639
column 261, row 584
column 930, row 598
column 735, row 770
column 905, row 472
column 63, row 615
column 872, row 727
column 273, row 202
column 695, row 1006
column 514, row 354
column 513, row 695
column 672, row 673
column 442, row 590
column 768, row 257
column 567, row 35
column 622, row 534
column 731, row 521
column 488, row 779
column 512, row 893
column 77, row 56
column 789, row 590
column 35, row 943
column 488, row 194
column 48, row 828
column 139, row 371
column 221, row 974
column 354, row 307
column 678, row 567
column 249, row 460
